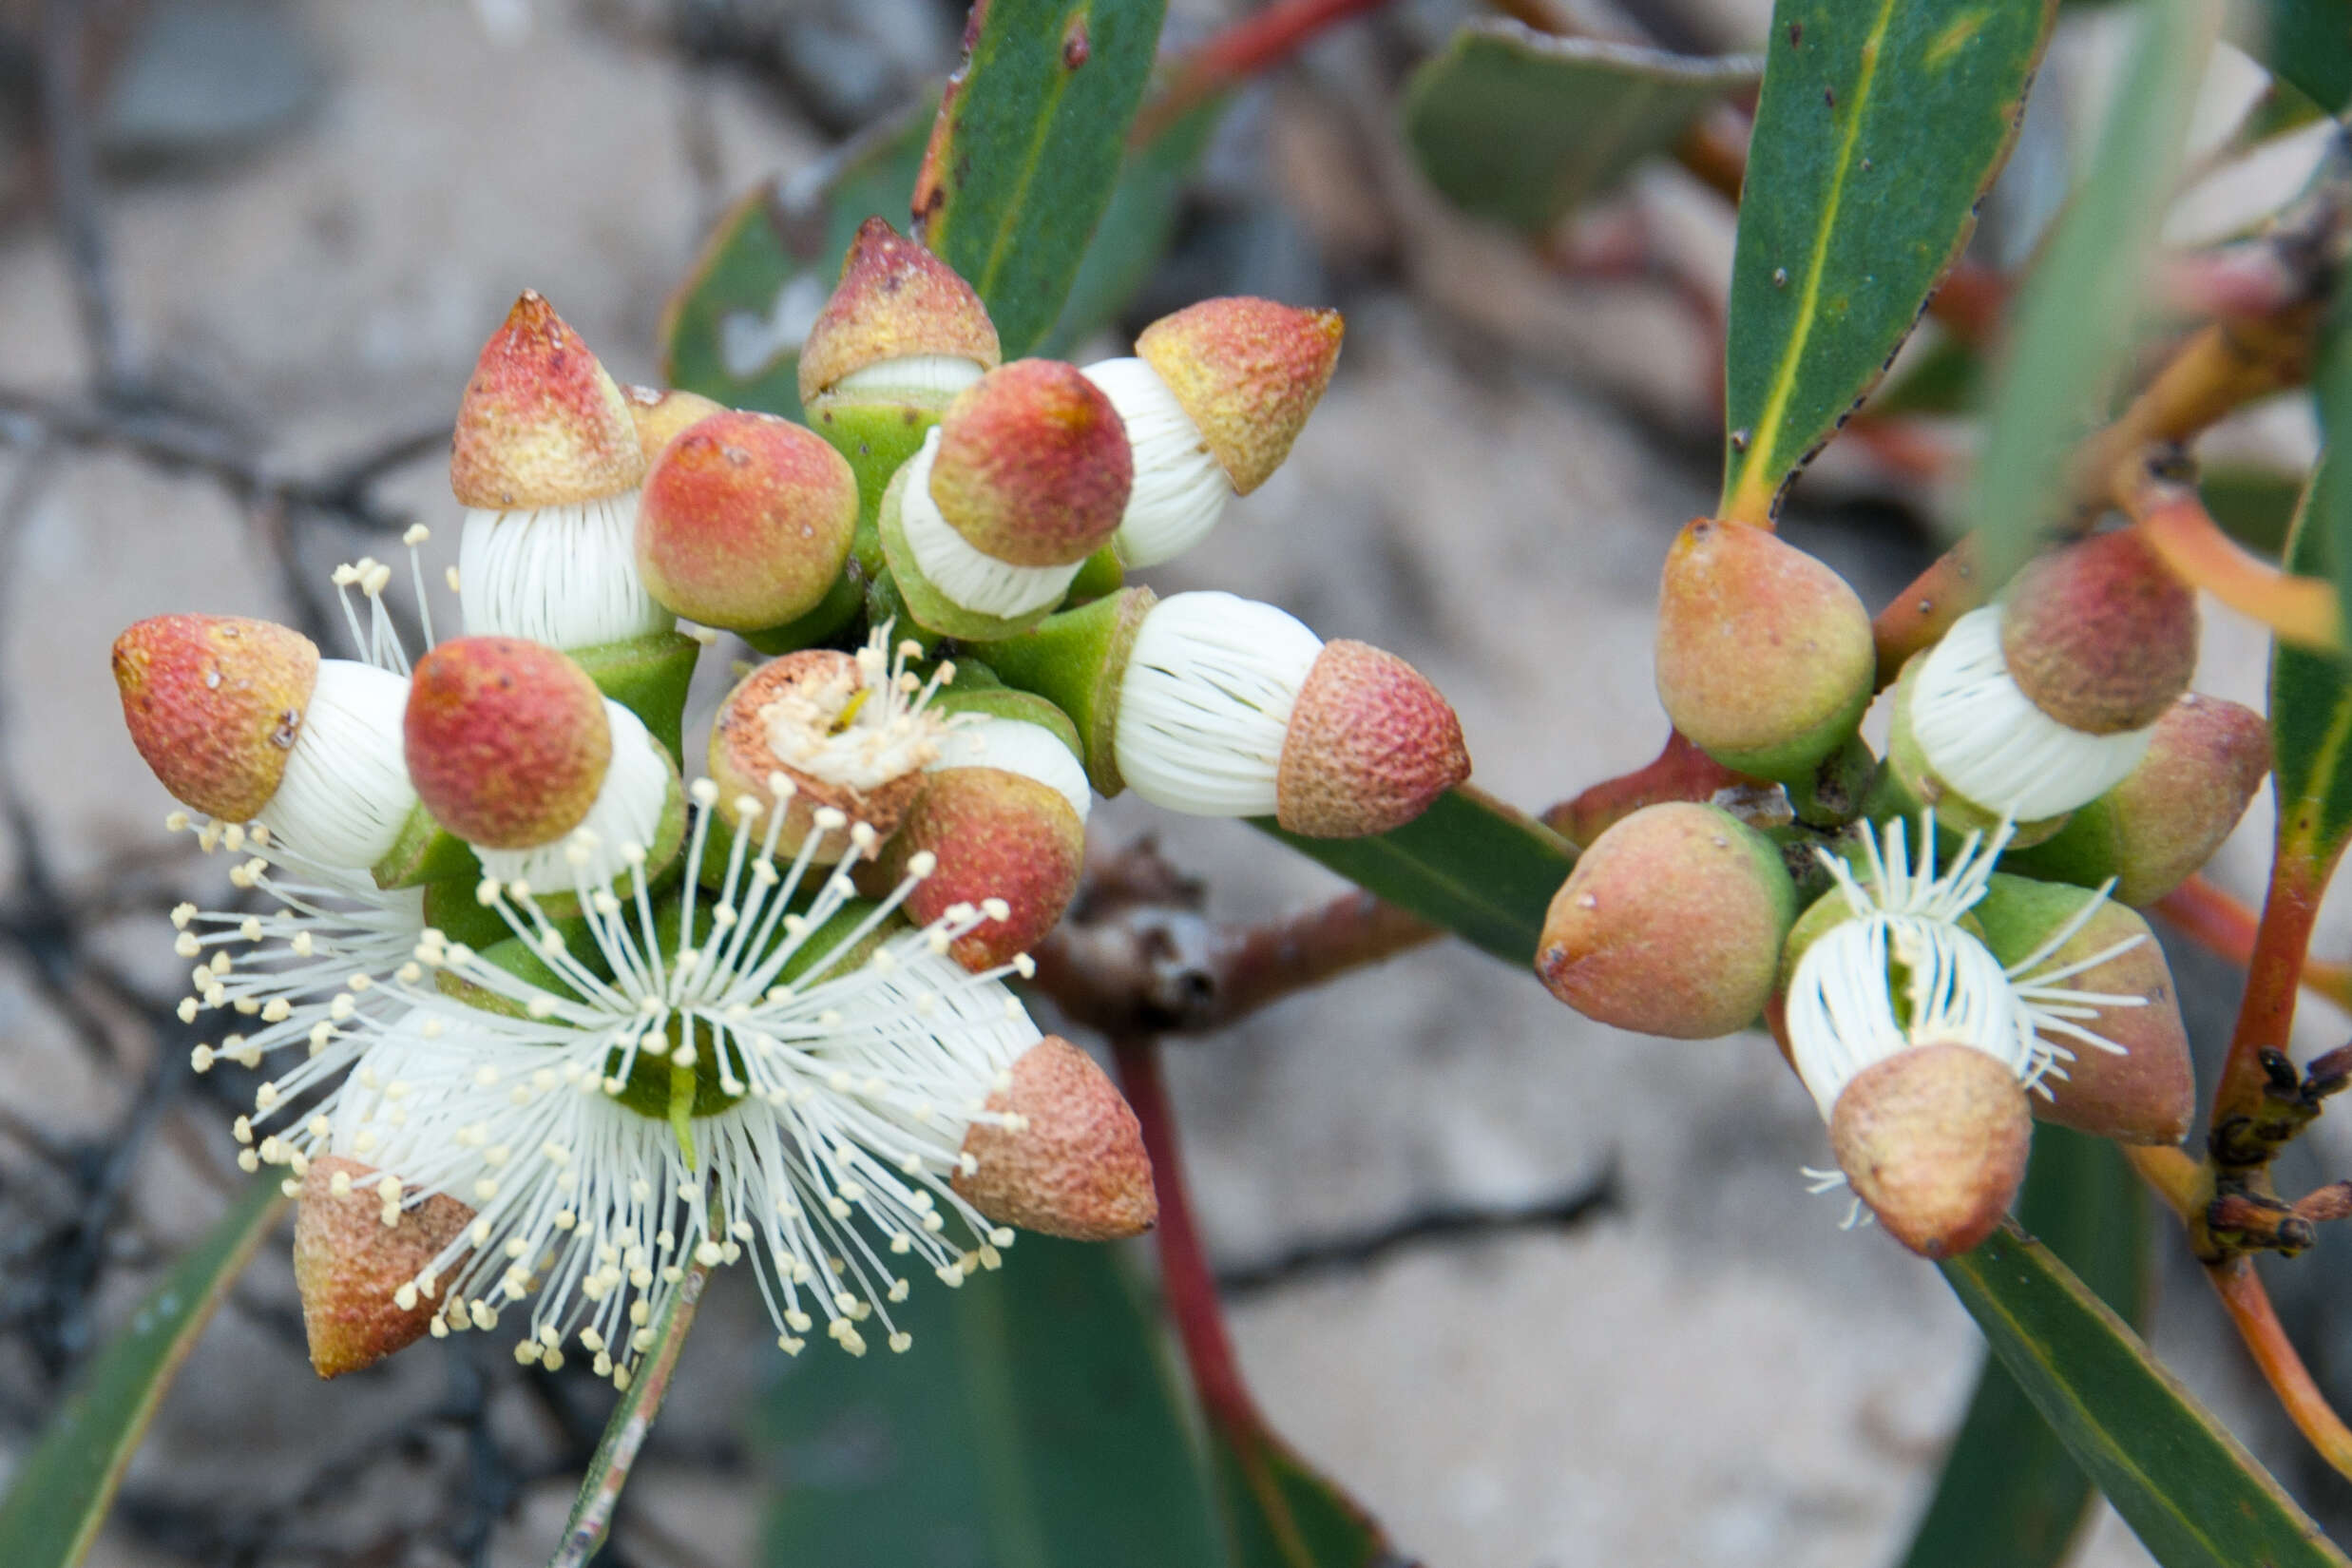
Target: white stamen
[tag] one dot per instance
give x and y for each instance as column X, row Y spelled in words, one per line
column 1180, row 489
column 977, row 582
column 1019, row 747
column 565, row 576
column 346, row 796
column 628, row 810
column 912, row 376
column 1206, row 702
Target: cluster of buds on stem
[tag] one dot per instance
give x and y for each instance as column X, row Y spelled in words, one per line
column 537, row 1025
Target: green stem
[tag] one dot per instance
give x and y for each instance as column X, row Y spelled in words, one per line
column 633, row 1418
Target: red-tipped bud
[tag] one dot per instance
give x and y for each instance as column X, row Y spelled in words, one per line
column 354, row 1270
column 661, row 412
column 2101, row 635
column 508, row 741
column 1934, row 1139
column 1670, row 924
column 542, row 425
column 2144, row 1091
column 214, row 703
column 1068, row 1159
column 1248, row 372
column 819, row 730
column 896, row 300
column 745, row 521
column 2204, row 762
column 1033, row 467
column 996, row 835
column 1370, row 745
column 1764, row 657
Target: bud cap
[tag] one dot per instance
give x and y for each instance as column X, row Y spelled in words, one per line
column 347, row 1264
column 745, row 521
column 1934, row 1139
column 508, row 741
column 1033, row 466
column 896, row 300
column 214, row 704
column 1248, row 372
column 2101, row 635
column 661, row 412
column 996, row 834
column 1370, row 745
column 540, row 425
column 1075, row 1167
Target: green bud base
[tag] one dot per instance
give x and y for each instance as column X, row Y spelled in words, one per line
column 425, row 851
column 877, row 438
column 835, row 610
column 648, row 676
column 1008, row 702
column 925, row 602
column 1078, row 661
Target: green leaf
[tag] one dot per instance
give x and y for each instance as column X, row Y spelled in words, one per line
column 2009, row 1494
column 1282, row 1513
column 1522, row 126
column 1479, row 868
column 1136, row 228
column 1028, row 145
column 2310, row 693
column 1880, row 123
column 2195, row 1498
column 1033, row 1424
column 65, row 1486
column 733, row 327
column 2072, row 326
column 2308, row 41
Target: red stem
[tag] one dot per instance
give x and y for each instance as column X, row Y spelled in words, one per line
column 2274, row 974
column 1184, row 1272
column 1240, row 51
column 2258, row 1324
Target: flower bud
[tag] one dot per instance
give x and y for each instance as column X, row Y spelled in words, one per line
column 507, row 741
column 819, row 730
column 661, row 412
column 1005, row 818
column 1670, row 924
column 215, row 705
column 350, row 1266
column 1027, row 475
column 2206, row 758
column 1934, row 1139
column 1247, row 372
column 1066, row 1157
column 2101, row 635
column 1228, row 707
column 900, row 323
column 745, row 521
column 2133, row 1079
column 1764, row 657
column 547, row 462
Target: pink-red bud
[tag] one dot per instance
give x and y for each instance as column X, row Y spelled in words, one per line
column 540, row 425
column 1033, row 466
column 1934, row 1139
column 997, row 834
column 1248, row 372
column 2099, row 633
column 1370, row 745
column 896, row 300
column 349, row 1265
column 214, row 703
column 508, row 741
column 745, row 521
column 661, row 412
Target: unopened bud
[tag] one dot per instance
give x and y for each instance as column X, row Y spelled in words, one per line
column 508, row 741
column 1248, row 372
column 2099, row 633
column 1933, row 1139
column 1764, row 657
column 745, row 521
column 2143, row 1090
column 349, row 1265
column 1370, row 745
column 542, row 423
column 661, row 412
column 215, row 705
column 1672, row 923
column 899, row 317
column 2204, row 761
column 1070, row 1163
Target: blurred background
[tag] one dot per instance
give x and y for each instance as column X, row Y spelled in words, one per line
column 1539, row 1294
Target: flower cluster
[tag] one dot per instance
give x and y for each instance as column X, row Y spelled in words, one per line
column 2045, row 750
column 541, row 1020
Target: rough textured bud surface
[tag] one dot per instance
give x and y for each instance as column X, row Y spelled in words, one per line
column 896, row 300
column 2101, row 635
column 745, row 521
column 1764, row 657
column 508, row 741
column 1670, row 924
column 214, row 703
column 1371, row 743
column 540, row 425
column 2169, row 814
column 1248, row 372
column 347, row 1264
column 1033, row 467
column 1934, row 1139
column 997, row 834
column 2147, row 1094
column 661, row 412
column 1073, row 1165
